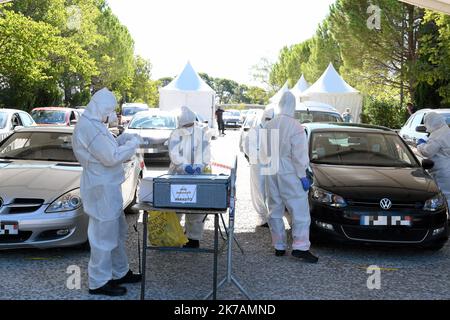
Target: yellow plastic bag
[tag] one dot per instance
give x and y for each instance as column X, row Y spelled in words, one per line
column 164, row 230
column 207, row 170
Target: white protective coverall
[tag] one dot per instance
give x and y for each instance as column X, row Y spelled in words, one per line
column 189, row 144
column 102, row 156
column 284, row 188
column 437, row 148
column 257, row 180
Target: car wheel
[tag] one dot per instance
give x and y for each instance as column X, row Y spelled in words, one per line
column 128, row 209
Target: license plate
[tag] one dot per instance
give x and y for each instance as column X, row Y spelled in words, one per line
column 9, row 228
column 386, row 221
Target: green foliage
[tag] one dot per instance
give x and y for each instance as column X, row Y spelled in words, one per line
column 59, row 51
column 383, row 113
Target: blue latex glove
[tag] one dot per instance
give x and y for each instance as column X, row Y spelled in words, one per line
column 198, row 168
column 305, row 183
column 421, row 141
column 189, row 170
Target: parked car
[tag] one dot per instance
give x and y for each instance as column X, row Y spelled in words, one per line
column 370, row 188
column 414, row 129
column 40, row 204
column 55, row 116
column 11, row 119
column 129, row 110
column 232, row 119
column 155, row 127
column 312, row 111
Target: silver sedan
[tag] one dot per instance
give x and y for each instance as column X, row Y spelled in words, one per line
column 40, row 204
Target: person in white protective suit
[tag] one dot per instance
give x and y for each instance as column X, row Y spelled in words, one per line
column 251, row 148
column 190, row 153
column 102, row 157
column 288, row 186
column 437, row 149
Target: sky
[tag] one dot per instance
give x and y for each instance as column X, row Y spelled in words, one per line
column 223, row 38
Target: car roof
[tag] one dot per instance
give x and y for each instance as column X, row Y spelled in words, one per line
column 433, row 110
column 155, row 111
column 65, row 129
column 356, row 127
column 11, row 110
column 315, row 106
column 137, row 104
column 55, row 108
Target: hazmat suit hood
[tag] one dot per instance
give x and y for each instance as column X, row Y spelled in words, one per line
column 186, row 117
column 286, row 106
column 102, row 105
column 434, row 121
column 267, row 115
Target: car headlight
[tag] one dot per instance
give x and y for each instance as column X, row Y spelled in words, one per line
column 166, row 143
column 67, row 202
column 331, row 199
column 435, row 203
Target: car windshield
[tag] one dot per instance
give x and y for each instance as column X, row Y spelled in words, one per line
column 49, row 116
column 162, row 122
column 232, row 114
column 42, row 146
column 360, row 149
column 3, row 119
column 317, row 116
column 131, row 111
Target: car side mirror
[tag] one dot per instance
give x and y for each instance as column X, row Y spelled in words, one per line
column 206, row 122
column 421, row 129
column 427, row 164
column 246, row 129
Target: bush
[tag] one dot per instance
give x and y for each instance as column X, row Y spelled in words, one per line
column 383, row 113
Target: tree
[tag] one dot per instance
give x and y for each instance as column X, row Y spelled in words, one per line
column 378, row 59
column 434, row 61
column 34, row 56
column 291, row 64
column 323, row 49
column 143, row 89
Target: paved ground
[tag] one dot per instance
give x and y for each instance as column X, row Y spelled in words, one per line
column 340, row 274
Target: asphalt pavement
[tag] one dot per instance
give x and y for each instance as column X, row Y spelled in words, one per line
column 341, row 273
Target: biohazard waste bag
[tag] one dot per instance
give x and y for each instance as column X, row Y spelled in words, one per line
column 164, row 230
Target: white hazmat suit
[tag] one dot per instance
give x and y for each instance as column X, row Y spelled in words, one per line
column 189, row 146
column 102, row 156
column 284, row 188
column 252, row 145
column 437, row 148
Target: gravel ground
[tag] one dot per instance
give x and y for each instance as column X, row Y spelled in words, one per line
column 407, row 273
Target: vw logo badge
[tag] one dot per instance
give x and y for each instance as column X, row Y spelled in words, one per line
column 385, row 204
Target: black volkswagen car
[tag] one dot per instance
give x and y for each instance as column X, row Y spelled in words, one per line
column 369, row 187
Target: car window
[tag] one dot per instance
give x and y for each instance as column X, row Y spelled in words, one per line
column 15, row 120
column 49, row 116
column 131, row 111
column 73, row 116
column 44, row 146
column 360, row 148
column 417, row 121
column 317, row 116
column 3, row 119
column 145, row 121
column 26, row 119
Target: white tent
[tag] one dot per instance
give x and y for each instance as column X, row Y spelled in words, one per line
column 277, row 97
column 438, row 5
column 301, row 86
column 189, row 89
column 332, row 89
